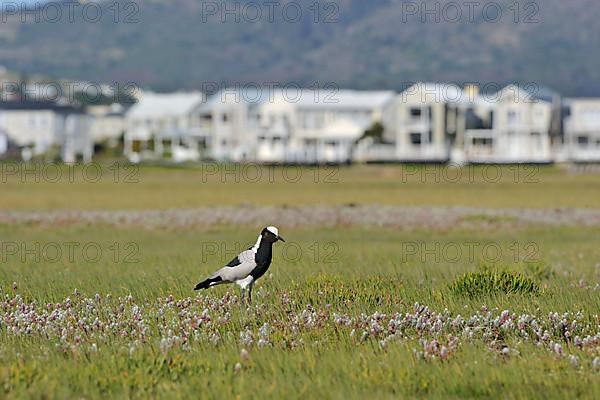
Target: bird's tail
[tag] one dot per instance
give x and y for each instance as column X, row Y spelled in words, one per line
column 205, row 284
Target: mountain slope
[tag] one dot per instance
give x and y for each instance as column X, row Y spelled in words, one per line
column 375, row 44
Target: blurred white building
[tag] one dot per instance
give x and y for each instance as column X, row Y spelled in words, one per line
column 438, row 122
column 38, row 126
column 582, row 130
column 74, row 139
column 421, row 121
column 164, row 125
column 317, row 126
column 107, row 122
column 229, row 123
column 293, row 125
column 427, row 122
column 518, row 131
column 3, row 142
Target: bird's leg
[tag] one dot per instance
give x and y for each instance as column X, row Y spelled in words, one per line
column 243, row 291
column 250, row 293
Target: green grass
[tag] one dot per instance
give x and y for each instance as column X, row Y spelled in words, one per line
column 110, row 186
column 320, row 276
column 351, row 271
column 476, row 284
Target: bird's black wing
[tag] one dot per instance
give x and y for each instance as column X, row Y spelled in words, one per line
column 247, row 256
column 234, row 263
column 238, row 268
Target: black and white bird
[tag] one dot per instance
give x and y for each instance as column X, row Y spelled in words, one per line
column 248, row 266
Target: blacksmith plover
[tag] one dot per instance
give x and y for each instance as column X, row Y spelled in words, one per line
column 248, row 266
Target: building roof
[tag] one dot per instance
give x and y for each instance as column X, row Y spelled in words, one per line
column 541, row 93
column 303, row 98
column 593, row 101
column 528, row 93
column 157, row 105
column 31, row 105
column 332, row 98
column 251, row 95
column 441, row 92
column 482, row 101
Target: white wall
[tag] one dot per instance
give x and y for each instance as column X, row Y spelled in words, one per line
column 37, row 128
column 3, row 143
column 522, row 128
column 401, row 124
column 582, row 130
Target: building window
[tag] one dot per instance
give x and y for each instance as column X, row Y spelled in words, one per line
column 415, row 113
column 225, row 117
column 513, row 117
column 484, row 142
column 583, row 141
column 415, row 139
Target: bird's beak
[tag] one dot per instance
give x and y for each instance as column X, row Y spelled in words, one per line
column 280, row 238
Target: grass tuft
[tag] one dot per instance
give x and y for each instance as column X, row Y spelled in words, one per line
column 474, row 284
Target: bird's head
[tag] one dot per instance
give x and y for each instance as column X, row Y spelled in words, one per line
column 271, row 233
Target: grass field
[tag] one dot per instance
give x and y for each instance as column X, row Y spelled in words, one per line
column 96, row 310
column 117, row 186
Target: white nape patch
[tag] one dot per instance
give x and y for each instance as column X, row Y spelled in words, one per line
column 273, row 230
column 244, row 283
column 255, row 247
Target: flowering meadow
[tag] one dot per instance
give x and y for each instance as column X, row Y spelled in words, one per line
column 348, row 316
column 361, row 301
